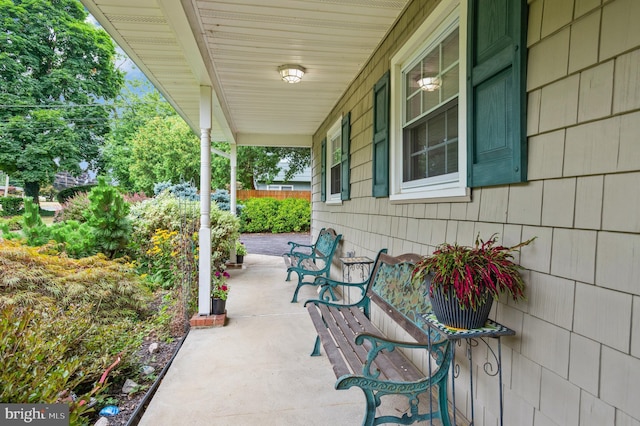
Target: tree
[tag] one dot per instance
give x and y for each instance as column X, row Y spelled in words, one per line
column 57, row 74
column 164, row 149
column 138, row 103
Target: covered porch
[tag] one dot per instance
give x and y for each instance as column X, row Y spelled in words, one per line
column 258, row 368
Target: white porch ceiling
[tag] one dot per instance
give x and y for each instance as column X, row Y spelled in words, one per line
column 236, row 46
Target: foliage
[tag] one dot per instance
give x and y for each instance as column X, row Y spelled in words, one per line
column 258, row 214
column 261, row 163
column 30, row 276
column 57, row 72
column 294, row 214
column 473, row 274
column 13, row 223
column 163, row 149
column 222, row 198
column 182, row 190
column 74, row 238
column 162, row 253
column 67, row 193
column 167, row 212
column 131, row 113
column 34, row 230
column 107, row 215
column 219, row 287
column 73, row 208
column 271, row 215
column 63, row 321
column 241, row 250
column 11, row 205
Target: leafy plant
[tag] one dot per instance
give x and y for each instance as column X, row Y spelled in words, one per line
column 473, row 274
column 11, row 205
column 107, row 215
column 219, row 287
column 74, row 208
column 33, row 228
column 241, row 250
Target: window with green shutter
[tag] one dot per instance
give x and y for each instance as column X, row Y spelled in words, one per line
column 458, row 109
column 345, row 167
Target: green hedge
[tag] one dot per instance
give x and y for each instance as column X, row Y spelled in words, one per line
column 276, row 216
column 11, row 206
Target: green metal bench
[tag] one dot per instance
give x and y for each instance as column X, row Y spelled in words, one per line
column 362, row 356
column 314, row 261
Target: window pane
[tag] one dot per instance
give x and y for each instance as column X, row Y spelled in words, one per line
column 430, row 100
column 335, row 179
column 414, row 107
column 437, row 162
column 450, row 49
column 452, row 123
column 452, row 157
column 450, row 83
column 437, row 129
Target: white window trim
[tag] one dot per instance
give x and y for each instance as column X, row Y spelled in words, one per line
column 444, row 15
column 334, row 130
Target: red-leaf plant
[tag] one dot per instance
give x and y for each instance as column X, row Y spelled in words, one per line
column 473, row 273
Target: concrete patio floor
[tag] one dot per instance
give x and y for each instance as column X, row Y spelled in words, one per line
column 257, row 370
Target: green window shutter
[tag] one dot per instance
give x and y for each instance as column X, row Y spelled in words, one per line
column 381, row 137
column 323, row 171
column 345, row 170
column 496, row 91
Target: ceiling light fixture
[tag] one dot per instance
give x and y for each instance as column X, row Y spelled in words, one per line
column 429, row 84
column 291, row 73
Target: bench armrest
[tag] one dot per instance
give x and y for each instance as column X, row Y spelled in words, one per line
column 440, row 351
column 327, row 285
column 295, row 245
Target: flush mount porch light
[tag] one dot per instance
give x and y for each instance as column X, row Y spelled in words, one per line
column 291, row 73
column 429, row 84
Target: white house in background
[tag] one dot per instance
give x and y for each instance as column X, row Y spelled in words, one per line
column 528, row 125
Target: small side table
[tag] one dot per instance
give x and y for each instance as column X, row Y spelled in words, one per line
column 491, row 329
column 359, row 262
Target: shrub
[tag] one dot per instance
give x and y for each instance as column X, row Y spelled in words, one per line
column 258, row 214
column 67, row 193
column 182, row 190
column 75, row 238
column 166, row 213
column 11, row 205
column 294, row 214
column 107, row 215
column 13, row 223
column 271, row 215
column 74, row 208
column 35, row 231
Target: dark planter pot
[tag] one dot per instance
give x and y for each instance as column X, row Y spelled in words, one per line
column 218, row 306
column 239, row 259
column 449, row 313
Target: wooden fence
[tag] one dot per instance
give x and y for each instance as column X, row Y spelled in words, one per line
column 244, row 194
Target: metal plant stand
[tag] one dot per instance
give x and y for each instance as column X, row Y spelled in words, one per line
column 358, row 262
column 472, row 337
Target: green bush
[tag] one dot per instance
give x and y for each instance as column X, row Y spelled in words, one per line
column 167, row 220
column 294, row 214
column 76, row 239
column 258, row 214
column 11, row 206
column 13, row 223
column 67, row 193
column 277, row 216
column 74, row 208
column 107, row 215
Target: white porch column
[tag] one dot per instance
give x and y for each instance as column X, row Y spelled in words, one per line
column 204, row 260
column 234, row 168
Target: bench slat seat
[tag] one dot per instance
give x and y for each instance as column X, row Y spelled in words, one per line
column 362, row 356
column 312, row 260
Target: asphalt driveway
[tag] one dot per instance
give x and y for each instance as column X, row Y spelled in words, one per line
column 273, row 244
